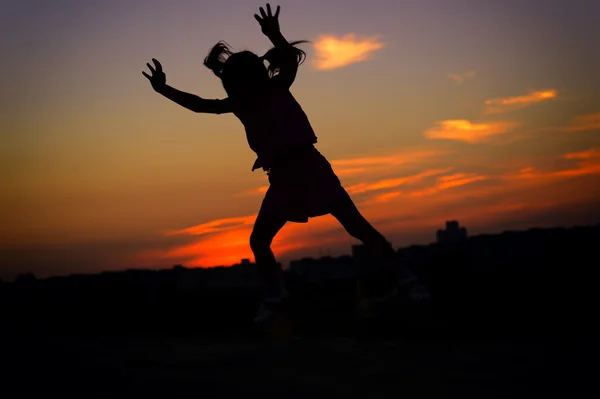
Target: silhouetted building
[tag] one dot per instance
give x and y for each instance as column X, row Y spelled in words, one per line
column 453, row 233
column 25, row 278
column 306, row 268
column 360, row 252
column 327, row 267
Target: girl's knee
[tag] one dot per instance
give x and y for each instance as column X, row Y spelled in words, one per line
column 259, row 242
column 263, row 232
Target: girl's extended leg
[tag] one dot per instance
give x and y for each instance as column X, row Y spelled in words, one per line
column 265, row 229
column 358, row 227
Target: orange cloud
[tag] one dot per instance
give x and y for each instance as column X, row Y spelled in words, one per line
column 588, row 164
column 464, row 130
column 506, row 104
column 585, row 122
column 217, row 226
column 357, row 166
column 341, row 172
column 587, row 168
column 226, row 241
column 579, row 123
column 386, row 197
column 333, row 52
column 392, row 183
column 461, row 78
column 591, row 153
column 255, row 191
column 426, row 199
column 387, row 160
column 224, row 248
column 458, row 179
column 449, row 181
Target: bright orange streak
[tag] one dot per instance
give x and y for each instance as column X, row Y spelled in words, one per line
column 501, row 105
column 391, row 183
column 590, row 165
column 451, row 177
column 591, row 153
column 532, row 97
column 256, row 191
column 446, row 182
column 459, row 182
column 349, row 171
column 464, row 130
column 217, row 225
column 588, row 168
column 396, row 159
column 381, row 198
column 225, row 248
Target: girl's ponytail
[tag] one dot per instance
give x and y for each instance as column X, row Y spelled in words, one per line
column 275, row 57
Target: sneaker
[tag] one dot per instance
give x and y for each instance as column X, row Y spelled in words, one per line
column 415, row 291
column 410, row 285
column 265, row 314
column 269, row 308
column 368, row 303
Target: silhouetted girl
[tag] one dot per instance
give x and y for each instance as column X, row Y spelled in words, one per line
column 302, row 182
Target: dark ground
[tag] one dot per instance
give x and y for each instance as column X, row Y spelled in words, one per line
column 133, row 366
column 514, row 316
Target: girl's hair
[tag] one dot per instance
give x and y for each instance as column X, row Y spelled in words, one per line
column 216, row 58
column 219, row 55
column 273, row 56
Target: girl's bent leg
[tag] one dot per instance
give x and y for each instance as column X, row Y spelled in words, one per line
column 265, row 229
column 358, row 227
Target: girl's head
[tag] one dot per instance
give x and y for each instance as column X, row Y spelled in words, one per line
column 244, row 74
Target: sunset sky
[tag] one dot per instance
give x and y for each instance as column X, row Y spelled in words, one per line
column 483, row 111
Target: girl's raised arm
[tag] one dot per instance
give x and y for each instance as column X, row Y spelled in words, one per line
column 287, row 54
column 196, row 103
column 186, row 100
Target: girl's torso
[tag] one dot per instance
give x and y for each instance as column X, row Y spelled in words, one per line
column 275, row 125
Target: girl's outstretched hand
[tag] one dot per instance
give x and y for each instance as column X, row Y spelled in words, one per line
column 158, row 79
column 269, row 23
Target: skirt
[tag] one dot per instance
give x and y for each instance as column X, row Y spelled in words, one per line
column 302, row 186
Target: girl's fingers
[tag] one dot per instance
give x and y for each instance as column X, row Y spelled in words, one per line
column 146, row 75
column 269, row 13
column 277, row 11
column 151, row 69
column 262, row 12
column 259, row 19
column 158, row 65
